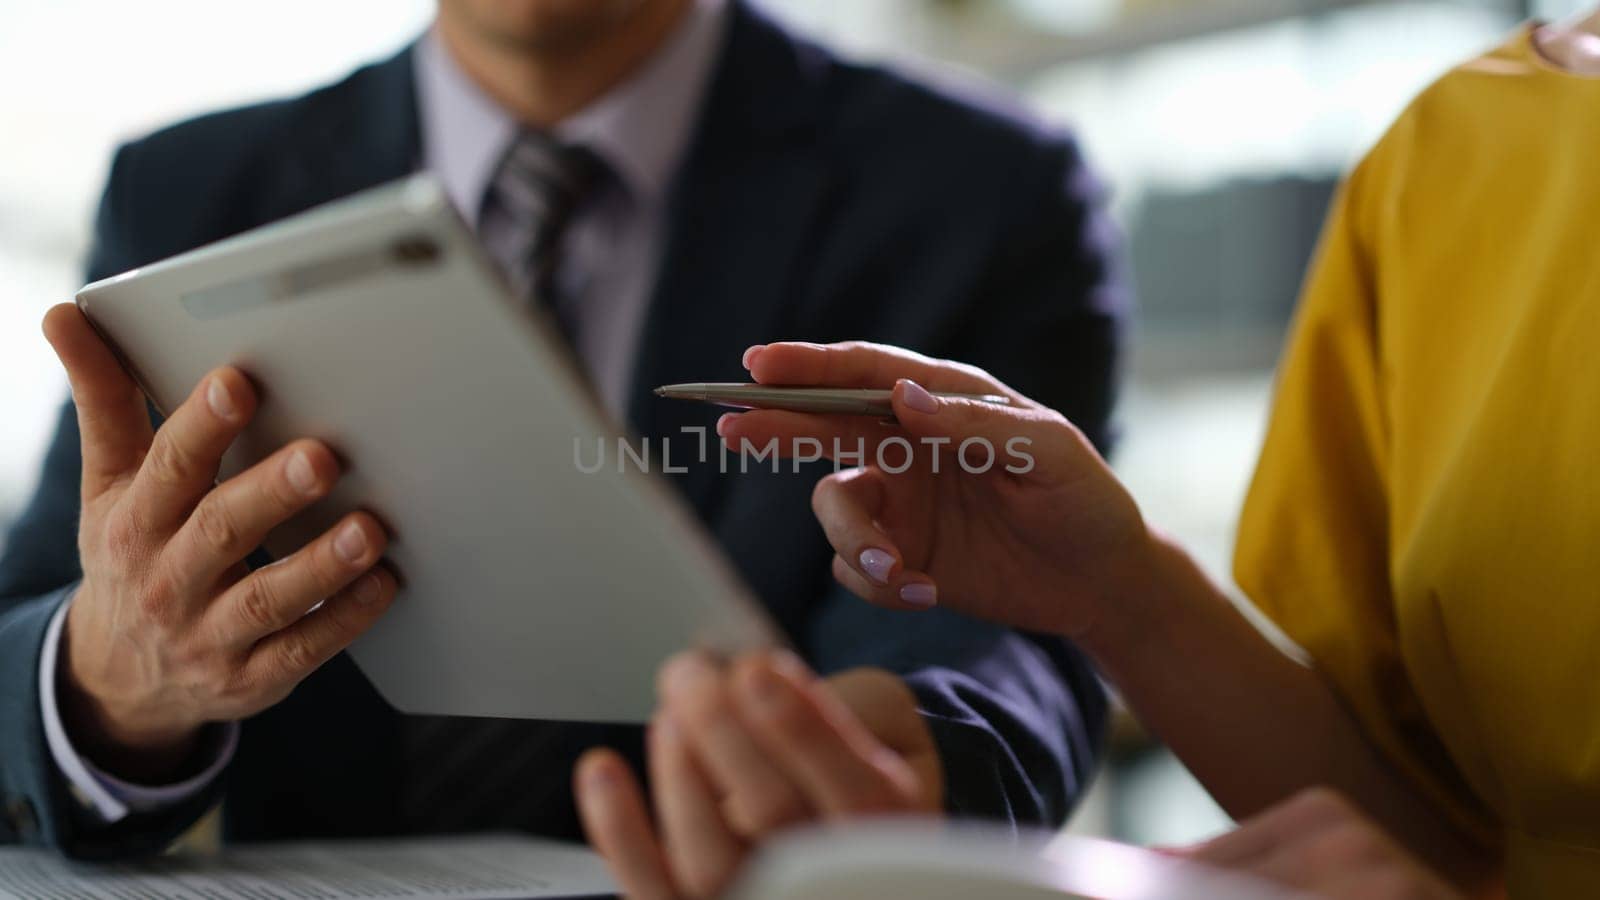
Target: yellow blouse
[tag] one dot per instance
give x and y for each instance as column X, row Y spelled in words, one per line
column 1425, row 518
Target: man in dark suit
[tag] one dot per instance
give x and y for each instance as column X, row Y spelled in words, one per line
column 675, row 180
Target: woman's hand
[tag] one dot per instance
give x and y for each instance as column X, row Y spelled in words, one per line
column 1004, row 512
column 738, row 752
column 1319, row 843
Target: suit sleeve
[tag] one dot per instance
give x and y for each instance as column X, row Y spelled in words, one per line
column 1050, row 314
column 39, row 570
column 1018, row 719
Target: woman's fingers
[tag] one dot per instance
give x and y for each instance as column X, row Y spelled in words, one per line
column 701, row 849
column 984, row 437
column 850, row 440
column 1319, row 842
column 931, row 433
column 614, row 817
column 1263, row 834
column 849, row 505
column 857, row 364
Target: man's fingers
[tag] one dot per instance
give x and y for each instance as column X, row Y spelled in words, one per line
column 277, row 596
column 701, row 849
column 842, row 769
column 235, row 517
column 183, row 459
column 113, row 422
column 614, row 817
column 288, row 656
column 857, row 364
column 759, row 796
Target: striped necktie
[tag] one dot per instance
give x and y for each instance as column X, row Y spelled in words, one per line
column 471, row 774
column 528, row 207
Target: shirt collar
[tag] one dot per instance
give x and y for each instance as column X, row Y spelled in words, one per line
column 641, row 127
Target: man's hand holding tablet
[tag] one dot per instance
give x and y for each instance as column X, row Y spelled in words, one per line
column 169, row 629
column 740, row 751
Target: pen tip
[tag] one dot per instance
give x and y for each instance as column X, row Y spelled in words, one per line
column 660, row 392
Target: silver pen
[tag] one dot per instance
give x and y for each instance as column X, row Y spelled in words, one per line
column 837, row 401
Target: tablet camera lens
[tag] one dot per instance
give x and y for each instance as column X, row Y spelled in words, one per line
column 418, row 249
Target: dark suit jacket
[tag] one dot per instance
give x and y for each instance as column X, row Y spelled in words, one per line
column 820, row 200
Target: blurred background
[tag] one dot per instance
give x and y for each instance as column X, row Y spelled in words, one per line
column 1222, row 125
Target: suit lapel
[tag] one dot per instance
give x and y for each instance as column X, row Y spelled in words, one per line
column 357, row 134
column 744, row 207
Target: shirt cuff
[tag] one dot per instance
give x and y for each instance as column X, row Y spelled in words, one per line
column 108, row 798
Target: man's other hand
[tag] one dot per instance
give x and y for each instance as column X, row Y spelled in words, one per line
column 741, row 751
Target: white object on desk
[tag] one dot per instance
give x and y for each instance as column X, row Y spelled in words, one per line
column 931, row 861
column 487, row 867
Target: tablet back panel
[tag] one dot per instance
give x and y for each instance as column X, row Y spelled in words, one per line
column 531, row 588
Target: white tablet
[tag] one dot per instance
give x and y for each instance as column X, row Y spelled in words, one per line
column 532, row 588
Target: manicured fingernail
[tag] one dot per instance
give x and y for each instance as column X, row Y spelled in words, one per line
column 723, row 421
column 368, row 589
column 302, row 477
column 918, row 398
column 919, row 593
column 220, row 401
column 351, row 542
column 877, row 563
column 750, row 354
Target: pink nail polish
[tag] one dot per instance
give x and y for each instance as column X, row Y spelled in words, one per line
column 918, row 398
column 919, row 594
column 877, row 563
